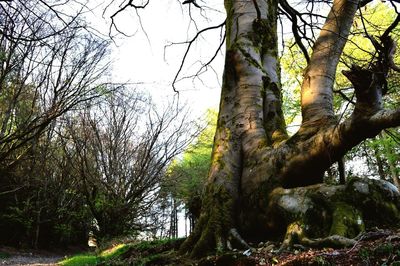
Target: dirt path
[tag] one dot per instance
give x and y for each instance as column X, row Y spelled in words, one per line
column 17, row 258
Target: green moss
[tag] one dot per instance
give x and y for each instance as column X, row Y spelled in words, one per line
column 144, row 245
column 264, row 34
column 249, row 58
column 262, row 144
column 80, row 260
column 294, row 233
column 346, row 221
column 229, row 14
column 375, row 200
column 114, row 252
column 93, row 259
column 216, row 222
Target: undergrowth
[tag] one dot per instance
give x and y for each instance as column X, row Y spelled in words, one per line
column 142, row 253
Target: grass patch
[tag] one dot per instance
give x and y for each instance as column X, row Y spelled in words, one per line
column 80, row 260
column 94, row 259
column 114, row 252
column 157, row 252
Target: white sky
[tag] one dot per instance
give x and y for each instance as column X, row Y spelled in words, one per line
column 140, row 57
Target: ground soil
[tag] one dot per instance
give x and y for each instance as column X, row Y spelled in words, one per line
column 378, row 247
column 17, row 257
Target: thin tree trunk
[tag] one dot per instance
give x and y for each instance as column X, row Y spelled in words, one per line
column 341, row 170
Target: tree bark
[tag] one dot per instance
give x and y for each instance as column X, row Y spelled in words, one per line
column 257, row 172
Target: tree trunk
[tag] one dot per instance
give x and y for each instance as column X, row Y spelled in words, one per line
column 256, row 184
column 342, row 171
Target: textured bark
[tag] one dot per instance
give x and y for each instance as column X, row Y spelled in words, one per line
column 255, row 164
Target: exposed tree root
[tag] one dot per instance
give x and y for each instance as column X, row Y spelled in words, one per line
column 296, row 235
column 236, row 236
column 315, row 216
column 334, row 216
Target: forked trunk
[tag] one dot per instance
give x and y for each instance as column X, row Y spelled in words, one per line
column 254, row 162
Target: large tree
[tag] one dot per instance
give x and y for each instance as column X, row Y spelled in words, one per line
column 264, row 183
column 254, row 162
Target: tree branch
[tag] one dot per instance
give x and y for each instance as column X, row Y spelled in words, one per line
column 386, row 118
column 293, row 17
column 317, row 87
column 190, row 43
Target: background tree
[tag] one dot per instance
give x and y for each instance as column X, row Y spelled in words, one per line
column 120, row 150
column 49, row 64
column 186, row 176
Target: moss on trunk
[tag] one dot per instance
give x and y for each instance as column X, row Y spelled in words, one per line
column 211, row 230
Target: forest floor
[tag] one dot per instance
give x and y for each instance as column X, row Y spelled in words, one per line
column 378, row 247
column 381, row 247
column 16, row 257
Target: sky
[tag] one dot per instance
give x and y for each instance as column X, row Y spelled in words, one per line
column 142, row 56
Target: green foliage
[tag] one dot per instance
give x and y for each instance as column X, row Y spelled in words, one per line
column 384, row 249
column 143, row 253
column 358, row 50
column 387, row 253
column 187, row 176
column 80, row 260
column 293, row 64
column 91, row 259
column 364, row 254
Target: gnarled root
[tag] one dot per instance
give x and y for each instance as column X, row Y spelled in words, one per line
column 237, row 237
column 295, row 235
column 333, row 216
column 213, row 228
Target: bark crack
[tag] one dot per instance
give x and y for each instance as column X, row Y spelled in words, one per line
column 257, row 9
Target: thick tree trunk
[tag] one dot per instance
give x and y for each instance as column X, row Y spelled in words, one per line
column 256, row 182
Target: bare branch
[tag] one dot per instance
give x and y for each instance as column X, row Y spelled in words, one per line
column 293, row 14
column 190, row 43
